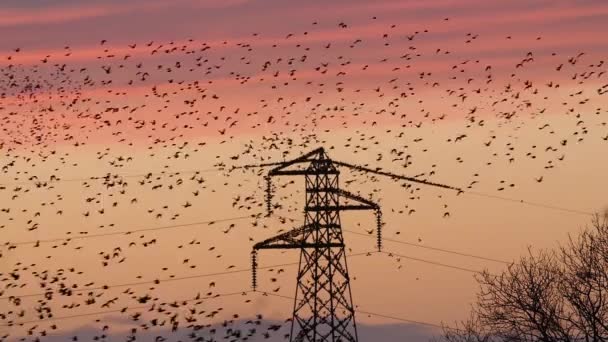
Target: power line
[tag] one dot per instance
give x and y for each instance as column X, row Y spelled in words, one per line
column 128, row 232
column 431, row 248
column 356, row 167
column 158, row 281
column 372, row 313
column 113, row 176
column 432, row 262
column 475, row 193
column 535, row 204
column 425, row 247
column 459, row 190
column 219, row 295
column 80, row 237
column 110, row 176
column 235, row 293
column 405, row 320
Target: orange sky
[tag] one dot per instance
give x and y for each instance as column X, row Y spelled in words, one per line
column 365, row 102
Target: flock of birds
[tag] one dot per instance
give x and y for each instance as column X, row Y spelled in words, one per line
column 290, row 95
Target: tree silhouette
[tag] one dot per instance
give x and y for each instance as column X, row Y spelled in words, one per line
column 551, row 295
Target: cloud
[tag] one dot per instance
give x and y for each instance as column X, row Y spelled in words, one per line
column 15, row 17
column 86, row 10
column 526, row 21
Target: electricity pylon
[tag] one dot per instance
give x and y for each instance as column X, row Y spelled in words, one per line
column 323, row 306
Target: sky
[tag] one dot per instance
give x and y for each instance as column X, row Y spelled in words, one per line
column 506, row 100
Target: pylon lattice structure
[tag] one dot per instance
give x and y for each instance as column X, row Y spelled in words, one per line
column 323, row 306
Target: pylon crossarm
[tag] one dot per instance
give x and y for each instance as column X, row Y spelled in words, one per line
column 302, row 172
column 339, row 207
column 293, row 239
column 351, row 196
column 394, row 176
column 301, row 245
column 303, row 158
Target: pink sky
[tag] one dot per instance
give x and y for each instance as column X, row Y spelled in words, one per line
column 384, row 95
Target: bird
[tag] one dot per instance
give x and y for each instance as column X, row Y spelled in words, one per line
column 164, row 106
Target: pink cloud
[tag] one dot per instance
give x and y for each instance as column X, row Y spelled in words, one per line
column 14, row 17
column 373, row 30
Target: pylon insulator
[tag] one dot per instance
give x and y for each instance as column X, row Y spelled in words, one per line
column 268, row 195
column 379, row 229
column 254, row 266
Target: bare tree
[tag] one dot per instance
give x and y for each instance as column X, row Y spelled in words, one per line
column 584, row 284
column 547, row 296
column 471, row 330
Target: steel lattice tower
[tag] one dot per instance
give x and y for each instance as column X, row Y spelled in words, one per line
column 323, row 306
